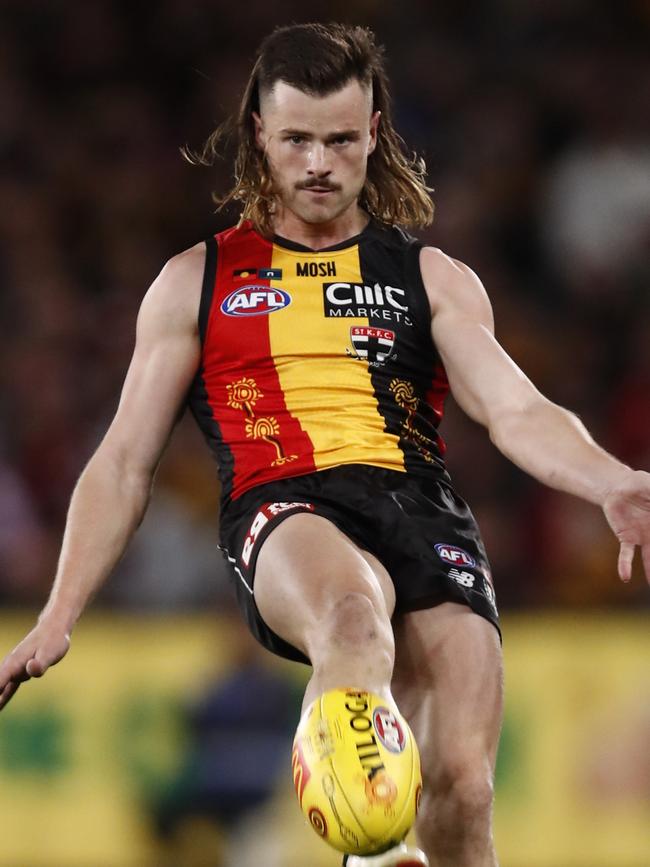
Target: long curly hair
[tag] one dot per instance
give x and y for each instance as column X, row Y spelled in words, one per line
column 319, row 59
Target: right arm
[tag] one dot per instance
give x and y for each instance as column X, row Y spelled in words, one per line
column 111, row 496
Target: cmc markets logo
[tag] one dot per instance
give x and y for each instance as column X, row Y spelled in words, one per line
column 255, row 300
column 454, row 555
column 346, row 300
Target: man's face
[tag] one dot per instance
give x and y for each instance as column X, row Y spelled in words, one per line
column 317, row 147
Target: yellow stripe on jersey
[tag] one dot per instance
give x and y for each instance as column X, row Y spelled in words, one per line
column 329, row 392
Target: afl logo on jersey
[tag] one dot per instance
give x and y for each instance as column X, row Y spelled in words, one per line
column 255, row 300
column 454, row 555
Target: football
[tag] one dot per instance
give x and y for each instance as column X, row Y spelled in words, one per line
column 356, row 771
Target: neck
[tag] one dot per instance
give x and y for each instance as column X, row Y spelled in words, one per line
column 316, row 236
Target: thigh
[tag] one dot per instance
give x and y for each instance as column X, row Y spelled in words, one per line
column 304, row 566
column 430, row 543
column 448, row 682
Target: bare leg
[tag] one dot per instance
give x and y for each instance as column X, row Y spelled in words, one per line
column 448, row 683
column 320, row 592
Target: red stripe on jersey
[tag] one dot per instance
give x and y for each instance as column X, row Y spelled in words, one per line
column 435, row 397
column 239, row 370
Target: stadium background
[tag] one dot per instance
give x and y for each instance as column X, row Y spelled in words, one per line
column 533, row 120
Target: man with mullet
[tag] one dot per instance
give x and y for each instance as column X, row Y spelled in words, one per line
column 317, row 341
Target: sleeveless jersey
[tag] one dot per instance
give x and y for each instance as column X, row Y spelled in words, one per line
column 313, row 359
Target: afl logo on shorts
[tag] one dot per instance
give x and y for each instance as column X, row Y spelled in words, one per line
column 255, row 300
column 455, row 556
column 389, row 730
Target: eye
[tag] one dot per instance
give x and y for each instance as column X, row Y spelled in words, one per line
column 341, row 139
column 296, row 139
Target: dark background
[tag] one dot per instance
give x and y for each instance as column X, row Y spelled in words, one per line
column 533, row 119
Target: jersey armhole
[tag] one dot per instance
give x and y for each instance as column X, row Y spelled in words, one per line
column 207, row 288
column 422, row 310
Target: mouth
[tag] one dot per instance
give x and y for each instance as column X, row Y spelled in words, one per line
column 319, row 191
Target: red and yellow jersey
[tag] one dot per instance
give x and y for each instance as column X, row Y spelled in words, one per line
column 315, row 359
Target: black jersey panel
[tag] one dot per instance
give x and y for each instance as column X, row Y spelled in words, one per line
column 404, row 365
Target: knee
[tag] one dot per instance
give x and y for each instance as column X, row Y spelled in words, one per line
column 355, row 620
column 456, row 818
column 460, row 795
column 471, row 795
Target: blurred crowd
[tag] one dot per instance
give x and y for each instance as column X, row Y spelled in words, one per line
column 533, row 119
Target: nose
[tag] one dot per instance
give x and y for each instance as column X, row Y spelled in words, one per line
column 318, row 161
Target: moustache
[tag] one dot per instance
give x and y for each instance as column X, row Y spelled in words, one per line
column 320, row 185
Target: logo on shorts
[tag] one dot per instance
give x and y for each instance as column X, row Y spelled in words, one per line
column 255, row 300
column 489, row 592
column 261, row 519
column 389, row 730
column 374, row 345
column 465, row 579
column 455, row 556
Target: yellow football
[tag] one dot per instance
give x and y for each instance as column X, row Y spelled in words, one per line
column 356, row 770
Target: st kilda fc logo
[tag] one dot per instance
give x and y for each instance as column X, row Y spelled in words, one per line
column 376, row 346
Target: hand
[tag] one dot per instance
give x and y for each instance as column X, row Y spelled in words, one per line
column 627, row 509
column 45, row 645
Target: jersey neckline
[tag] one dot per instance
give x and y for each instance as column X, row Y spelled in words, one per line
column 288, row 244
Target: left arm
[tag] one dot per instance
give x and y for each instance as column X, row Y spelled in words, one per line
column 542, row 438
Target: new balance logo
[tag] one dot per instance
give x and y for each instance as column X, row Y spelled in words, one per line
column 464, row 578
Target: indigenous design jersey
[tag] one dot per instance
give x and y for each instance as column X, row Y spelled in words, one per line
column 315, row 359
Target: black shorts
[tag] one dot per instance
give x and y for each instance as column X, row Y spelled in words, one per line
column 419, row 529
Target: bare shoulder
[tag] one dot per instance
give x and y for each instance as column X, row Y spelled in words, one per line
column 453, row 286
column 173, row 298
column 188, row 264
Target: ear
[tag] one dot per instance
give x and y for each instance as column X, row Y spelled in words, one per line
column 374, row 126
column 260, row 137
